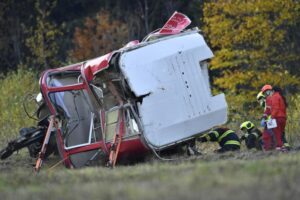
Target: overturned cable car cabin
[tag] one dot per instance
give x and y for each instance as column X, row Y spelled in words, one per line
column 145, row 96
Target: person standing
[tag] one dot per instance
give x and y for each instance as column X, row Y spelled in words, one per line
column 268, row 136
column 275, row 109
column 261, row 99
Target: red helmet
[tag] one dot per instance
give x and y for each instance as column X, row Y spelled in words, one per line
column 265, row 88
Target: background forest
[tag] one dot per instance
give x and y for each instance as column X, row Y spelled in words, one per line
column 255, row 42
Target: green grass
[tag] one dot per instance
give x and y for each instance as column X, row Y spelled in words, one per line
column 244, row 175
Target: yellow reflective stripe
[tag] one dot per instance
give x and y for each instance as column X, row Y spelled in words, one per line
column 234, row 142
column 215, row 132
column 225, row 134
column 207, row 137
column 256, row 135
column 286, row 144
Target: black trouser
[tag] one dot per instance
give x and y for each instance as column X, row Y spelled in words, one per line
column 284, row 138
column 228, row 147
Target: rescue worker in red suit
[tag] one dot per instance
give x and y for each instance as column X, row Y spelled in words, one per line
column 262, row 101
column 275, row 109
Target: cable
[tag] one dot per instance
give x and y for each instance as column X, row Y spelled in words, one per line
column 24, row 107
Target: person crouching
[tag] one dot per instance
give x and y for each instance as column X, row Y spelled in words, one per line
column 227, row 139
column 251, row 135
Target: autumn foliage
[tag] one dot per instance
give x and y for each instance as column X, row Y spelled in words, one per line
column 255, row 42
column 99, row 36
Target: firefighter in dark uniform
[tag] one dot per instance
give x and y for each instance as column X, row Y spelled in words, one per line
column 226, row 138
column 251, row 135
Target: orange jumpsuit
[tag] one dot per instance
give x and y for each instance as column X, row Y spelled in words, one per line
column 275, row 107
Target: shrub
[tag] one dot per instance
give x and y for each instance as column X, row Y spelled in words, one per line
column 13, row 88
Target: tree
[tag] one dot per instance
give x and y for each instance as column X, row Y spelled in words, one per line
column 31, row 30
column 254, row 44
column 43, row 38
column 100, row 35
column 13, row 13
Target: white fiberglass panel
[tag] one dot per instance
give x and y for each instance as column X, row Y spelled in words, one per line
column 179, row 104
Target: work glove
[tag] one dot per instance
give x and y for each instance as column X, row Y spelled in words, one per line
column 243, row 138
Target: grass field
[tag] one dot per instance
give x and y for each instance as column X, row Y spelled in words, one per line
column 243, row 175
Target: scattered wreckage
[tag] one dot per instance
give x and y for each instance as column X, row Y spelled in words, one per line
column 147, row 96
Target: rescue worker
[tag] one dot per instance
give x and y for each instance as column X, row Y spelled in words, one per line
column 275, row 109
column 268, row 136
column 251, row 135
column 262, row 102
column 226, row 138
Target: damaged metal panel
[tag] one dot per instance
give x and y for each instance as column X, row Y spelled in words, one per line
column 179, row 104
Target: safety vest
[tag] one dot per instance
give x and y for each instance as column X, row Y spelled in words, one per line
column 226, row 138
column 253, row 139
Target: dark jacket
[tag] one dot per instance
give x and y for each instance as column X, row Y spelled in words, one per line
column 253, row 139
column 226, row 138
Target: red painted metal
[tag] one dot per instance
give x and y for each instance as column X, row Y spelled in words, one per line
column 114, row 150
column 45, row 91
column 90, row 147
column 41, row 155
column 98, row 64
column 79, row 86
column 87, row 73
column 132, row 147
column 175, row 24
column 64, row 154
